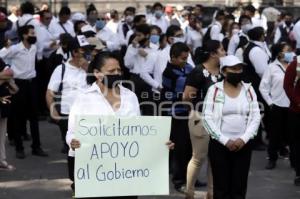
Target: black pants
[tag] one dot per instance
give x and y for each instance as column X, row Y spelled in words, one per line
column 230, row 170
column 63, row 127
column 278, row 134
column 24, row 107
column 182, row 153
column 294, row 137
column 44, row 72
column 71, row 165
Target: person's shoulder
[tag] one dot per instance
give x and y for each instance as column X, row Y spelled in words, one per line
column 128, row 93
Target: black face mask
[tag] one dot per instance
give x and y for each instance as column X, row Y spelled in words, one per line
column 31, row 39
column 234, row 78
column 111, row 81
column 288, row 23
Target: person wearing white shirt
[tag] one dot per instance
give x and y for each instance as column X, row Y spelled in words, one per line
column 283, row 32
column 126, row 25
column 158, row 18
column 91, row 14
column 215, row 31
column 107, row 37
column 24, row 103
column 62, row 24
column 13, row 17
column 231, row 116
column 257, row 57
column 137, row 20
column 113, row 23
column 68, row 79
column 296, row 31
column 271, row 88
column 194, row 33
column 140, row 59
column 235, row 41
column 27, row 10
column 105, row 97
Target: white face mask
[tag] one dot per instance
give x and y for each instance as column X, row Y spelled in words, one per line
column 245, row 28
column 178, row 39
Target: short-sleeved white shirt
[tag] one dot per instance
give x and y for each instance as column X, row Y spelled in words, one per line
column 74, row 82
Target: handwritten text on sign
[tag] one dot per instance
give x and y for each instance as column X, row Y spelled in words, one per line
column 122, row 156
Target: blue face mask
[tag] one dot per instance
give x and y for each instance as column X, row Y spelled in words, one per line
column 158, row 14
column 154, row 39
column 289, row 57
column 100, row 24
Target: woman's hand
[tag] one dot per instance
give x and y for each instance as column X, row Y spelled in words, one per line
column 5, row 99
column 75, row 144
column 171, row 145
column 239, row 143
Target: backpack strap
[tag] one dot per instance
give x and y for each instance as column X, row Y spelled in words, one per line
column 63, row 69
column 62, row 26
column 250, row 94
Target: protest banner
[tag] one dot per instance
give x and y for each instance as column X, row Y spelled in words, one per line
column 122, row 156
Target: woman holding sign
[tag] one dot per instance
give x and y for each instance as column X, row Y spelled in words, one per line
column 106, row 96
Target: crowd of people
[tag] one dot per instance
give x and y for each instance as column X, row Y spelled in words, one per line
column 229, row 83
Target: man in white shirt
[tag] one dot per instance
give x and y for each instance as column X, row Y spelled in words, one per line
column 24, row 103
column 68, row 79
column 13, row 17
column 215, row 31
column 158, row 17
column 283, row 32
column 27, row 10
column 194, row 33
column 46, row 44
column 140, row 59
column 63, row 24
column 113, row 23
column 126, row 24
column 91, row 14
column 257, row 57
column 235, row 41
column 107, row 37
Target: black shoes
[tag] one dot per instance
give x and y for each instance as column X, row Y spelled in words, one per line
column 271, row 165
column 20, row 154
column 297, row 181
column 39, row 152
column 200, row 184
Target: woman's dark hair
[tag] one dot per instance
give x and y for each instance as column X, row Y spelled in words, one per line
column 157, row 4
column 90, row 9
column 256, row 33
column 76, row 26
column 202, row 54
column 97, row 63
column 130, row 9
column 172, row 30
column 158, row 29
column 277, row 49
column 27, row 8
column 64, row 11
column 143, row 28
column 243, row 17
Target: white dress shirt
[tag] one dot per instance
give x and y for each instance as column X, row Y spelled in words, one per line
column 112, row 26
column 234, row 42
column 278, row 32
column 13, row 18
column 135, row 62
column 161, row 22
column 259, row 57
column 56, row 29
column 296, row 31
column 44, row 39
column 74, row 82
column 93, row 102
column 22, row 60
column 194, row 38
column 111, row 39
column 260, row 21
column 120, row 33
column 215, row 33
column 271, row 85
